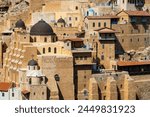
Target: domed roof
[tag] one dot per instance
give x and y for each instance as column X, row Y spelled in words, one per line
column 41, row 28
column 90, row 12
column 61, row 20
column 91, row 9
column 20, row 24
column 32, row 63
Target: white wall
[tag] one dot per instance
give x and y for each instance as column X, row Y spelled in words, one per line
column 5, row 97
column 17, row 94
column 8, row 95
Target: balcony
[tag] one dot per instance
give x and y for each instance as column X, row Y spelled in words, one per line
column 139, row 4
column 144, row 20
column 107, row 39
column 133, row 20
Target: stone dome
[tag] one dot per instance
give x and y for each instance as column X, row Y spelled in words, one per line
column 32, row 63
column 61, row 20
column 41, row 28
column 20, row 24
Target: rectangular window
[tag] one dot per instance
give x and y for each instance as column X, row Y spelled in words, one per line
column 69, row 18
column 70, row 25
column 3, row 94
column 103, row 46
column 102, row 57
column 76, row 19
column 13, row 94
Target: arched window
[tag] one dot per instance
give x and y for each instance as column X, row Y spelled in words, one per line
column 55, row 50
column 76, row 7
column 87, row 13
column 99, row 24
column 93, row 24
column 31, row 39
column 123, row 1
column 34, row 39
column 45, row 39
column 53, row 39
column 43, row 50
column 68, row 44
column 85, row 92
column 49, row 49
column 104, row 24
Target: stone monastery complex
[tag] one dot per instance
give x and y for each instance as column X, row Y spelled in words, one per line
column 74, row 49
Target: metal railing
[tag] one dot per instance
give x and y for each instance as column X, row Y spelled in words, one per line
column 107, row 38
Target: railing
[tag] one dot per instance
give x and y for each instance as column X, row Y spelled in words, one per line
column 139, row 4
column 144, row 20
column 107, row 39
column 133, row 20
column 139, row 72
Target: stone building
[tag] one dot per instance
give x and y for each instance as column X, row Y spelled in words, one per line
column 34, row 87
column 73, row 52
column 44, row 47
column 129, row 4
column 52, row 11
column 83, row 65
column 134, row 31
column 101, row 38
column 113, row 86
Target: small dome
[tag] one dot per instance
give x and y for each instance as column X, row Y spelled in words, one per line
column 20, row 24
column 61, row 20
column 41, row 29
column 32, row 63
column 90, row 12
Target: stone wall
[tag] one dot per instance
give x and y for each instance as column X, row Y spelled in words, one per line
column 131, row 37
column 38, row 92
column 62, row 66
